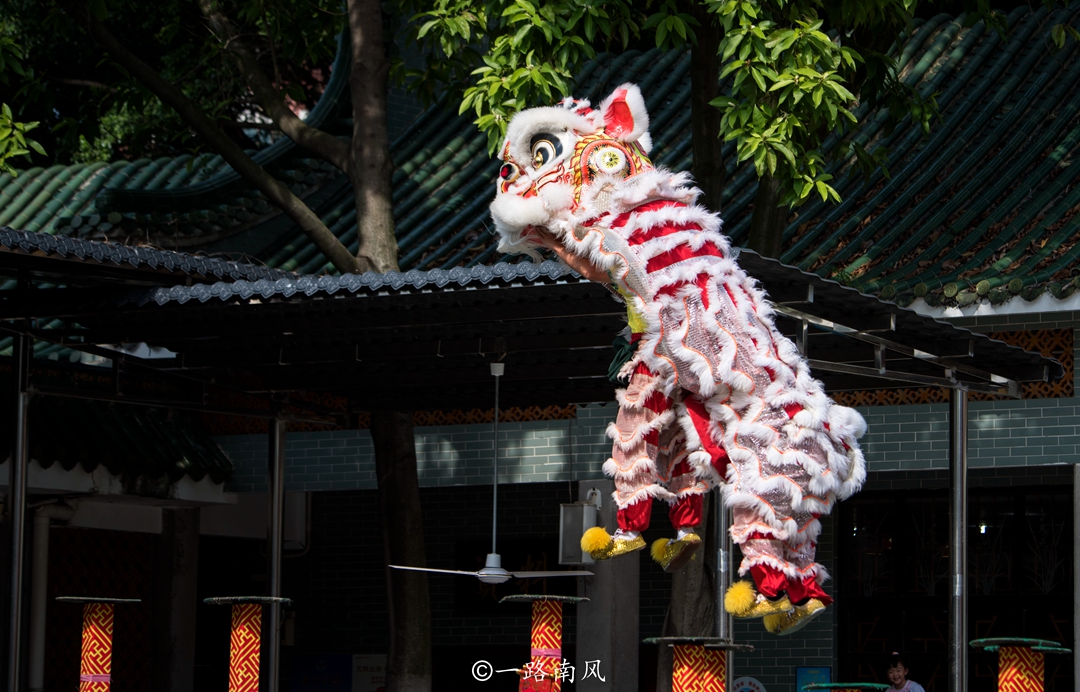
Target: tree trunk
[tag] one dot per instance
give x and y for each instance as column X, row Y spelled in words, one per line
column 409, row 663
column 708, row 166
column 692, row 610
column 767, row 224
column 371, row 168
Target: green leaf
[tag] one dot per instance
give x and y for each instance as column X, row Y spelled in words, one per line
column 520, row 35
column 729, row 68
column 680, row 27
column 758, row 79
column 783, row 149
column 428, row 26
column 661, row 34
column 653, row 20
column 1057, row 33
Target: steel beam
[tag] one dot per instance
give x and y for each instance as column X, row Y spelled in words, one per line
column 16, row 507
column 274, row 534
column 724, row 624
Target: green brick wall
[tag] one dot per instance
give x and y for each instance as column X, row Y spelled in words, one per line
column 1001, row 433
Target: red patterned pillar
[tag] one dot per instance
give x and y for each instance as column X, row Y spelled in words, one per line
column 95, row 667
column 1020, row 669
column 697, row 669
column 545, row 662
column 244, row 640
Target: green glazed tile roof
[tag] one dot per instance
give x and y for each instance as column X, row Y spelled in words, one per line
column 983, row 208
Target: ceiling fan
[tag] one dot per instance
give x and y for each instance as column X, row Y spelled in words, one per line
column 493, row 572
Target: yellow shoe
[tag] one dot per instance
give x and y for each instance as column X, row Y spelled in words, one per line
column 743, row 601
column 600, row 545
column 784, row 624
column 675, row 554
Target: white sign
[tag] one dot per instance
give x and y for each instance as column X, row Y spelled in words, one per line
column 744, row 685
column 369, row 673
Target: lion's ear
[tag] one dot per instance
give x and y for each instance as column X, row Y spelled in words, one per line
column 625, row 117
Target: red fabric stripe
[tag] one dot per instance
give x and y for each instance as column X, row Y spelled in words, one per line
column 640, row 237
column 702, row 282
column 620, row 220
column 792, row 409
column 680, row 253
column 700, row 418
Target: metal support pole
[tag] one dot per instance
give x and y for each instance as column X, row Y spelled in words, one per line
column 958, row 634
column 724, row 624
column 17, row 506
column 497, row 370
column 39, row 579
column 276, row 504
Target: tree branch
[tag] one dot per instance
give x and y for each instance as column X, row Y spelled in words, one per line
column 325, row 146
column 275, row 191
column 86, row 83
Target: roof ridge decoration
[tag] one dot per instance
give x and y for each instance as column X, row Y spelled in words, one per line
column 503, row 273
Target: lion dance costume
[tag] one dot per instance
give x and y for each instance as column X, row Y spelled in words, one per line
column 716, row 395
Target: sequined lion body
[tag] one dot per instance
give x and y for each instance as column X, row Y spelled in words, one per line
column 716, row 395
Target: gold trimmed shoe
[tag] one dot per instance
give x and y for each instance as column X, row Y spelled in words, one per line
column 743, row 601
column 674, row 554
column 618, row 547
column 789, row 623
column 601, row 545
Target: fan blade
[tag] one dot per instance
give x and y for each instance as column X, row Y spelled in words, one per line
column 559, row 573
column 439, row 571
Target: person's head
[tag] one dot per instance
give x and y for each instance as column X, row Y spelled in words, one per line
column 897, row 671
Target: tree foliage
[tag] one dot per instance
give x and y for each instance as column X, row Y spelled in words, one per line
column 795, row 70
column 91, row 109
column 13, row 140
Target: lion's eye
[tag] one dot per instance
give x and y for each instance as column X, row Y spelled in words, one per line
column 610, row 160
column 545, row 148
column 509, row 172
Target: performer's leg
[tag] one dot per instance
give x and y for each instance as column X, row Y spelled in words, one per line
column 807, row 584
column 804, row 590
column 696, row 469
column 763, row 560
column 643, row 413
